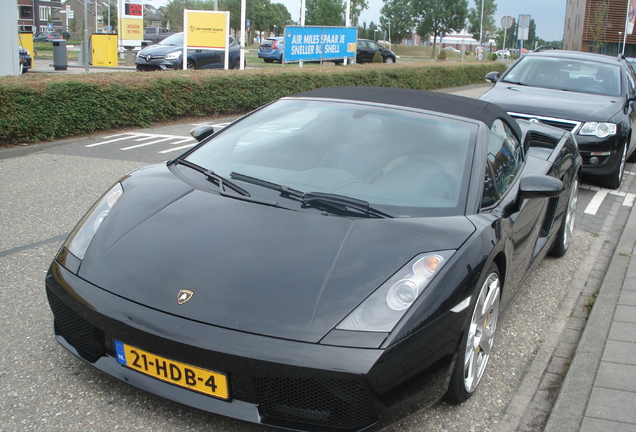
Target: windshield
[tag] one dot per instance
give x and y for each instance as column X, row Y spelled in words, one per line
column 176, row 39
column 566, row 74
column 407, row 163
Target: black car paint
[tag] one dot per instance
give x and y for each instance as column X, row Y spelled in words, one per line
column 577, row 107
column 393, row 368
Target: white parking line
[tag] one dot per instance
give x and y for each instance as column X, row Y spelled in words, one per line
column 177, row 148
column 146, row 144
column 596, row 202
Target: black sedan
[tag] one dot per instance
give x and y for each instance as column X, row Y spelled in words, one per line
column 168, row 53
column 327, row 262
column 366, row 49
column 592, row 95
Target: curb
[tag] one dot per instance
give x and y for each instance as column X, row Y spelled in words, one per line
column 571, row 404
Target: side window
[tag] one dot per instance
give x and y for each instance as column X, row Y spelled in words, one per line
column 504, row 161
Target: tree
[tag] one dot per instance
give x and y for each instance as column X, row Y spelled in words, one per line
column 474, row 19
column 325, row 12
column 438, row 17
column 332, row 12
column 174, row 11
column 398, row 18
column 113, row 16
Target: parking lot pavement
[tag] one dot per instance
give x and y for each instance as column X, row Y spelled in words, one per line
column 46, row 65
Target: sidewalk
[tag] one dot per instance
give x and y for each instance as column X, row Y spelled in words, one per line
column 46, row 65
column 599, row 390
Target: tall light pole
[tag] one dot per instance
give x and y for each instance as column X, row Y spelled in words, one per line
column 481, row 24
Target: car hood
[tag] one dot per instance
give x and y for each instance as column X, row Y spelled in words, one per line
column 553, row 103
column 159, row 50
column 253, row 268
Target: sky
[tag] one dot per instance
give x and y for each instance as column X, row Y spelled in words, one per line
column 549, row 15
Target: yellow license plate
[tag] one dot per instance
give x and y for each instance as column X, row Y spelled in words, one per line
column 183, row 375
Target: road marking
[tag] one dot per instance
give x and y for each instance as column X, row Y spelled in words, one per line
column 600, row 194
column 596, row 202
column 146, row 139
column 146, row 144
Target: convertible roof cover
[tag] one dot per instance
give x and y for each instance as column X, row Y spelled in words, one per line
column 476, row 109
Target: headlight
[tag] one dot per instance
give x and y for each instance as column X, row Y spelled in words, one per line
column 173, row 55
column 598, row 129
column 384, row 308
column 84, row 232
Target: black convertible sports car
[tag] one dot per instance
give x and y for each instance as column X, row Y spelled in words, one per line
column 323, row 263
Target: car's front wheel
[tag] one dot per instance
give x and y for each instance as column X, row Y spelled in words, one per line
column 613, row 180
column 478, row 340
column 389, row 59
column 564, row 237
column 190, row 64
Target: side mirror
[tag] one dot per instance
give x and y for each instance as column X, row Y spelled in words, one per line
column 540, row 187
column 492, row 77
column 202, row 132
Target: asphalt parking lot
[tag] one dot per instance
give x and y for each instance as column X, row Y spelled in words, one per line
column 45, row 192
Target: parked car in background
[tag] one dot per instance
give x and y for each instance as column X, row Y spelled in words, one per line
column 452, row 49
column 328, row 262
column 156, row 34
column 25, row 59
column 167, row 55
column 272, row 49
column 366, row 49
column 503, row 54
column 591, row 95
column 48, row 36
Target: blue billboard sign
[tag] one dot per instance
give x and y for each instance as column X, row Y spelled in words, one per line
column 319, row 43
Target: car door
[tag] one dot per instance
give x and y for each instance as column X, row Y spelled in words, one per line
column 631, row 104
column 520, row 222
column 364, row 52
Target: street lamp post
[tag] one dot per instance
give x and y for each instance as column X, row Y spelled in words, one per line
column 274, row 30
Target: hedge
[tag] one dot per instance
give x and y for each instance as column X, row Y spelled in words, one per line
column 40, row 108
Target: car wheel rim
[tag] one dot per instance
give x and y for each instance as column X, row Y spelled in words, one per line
column 190, row 64
column 570, row 216
column 481, row 332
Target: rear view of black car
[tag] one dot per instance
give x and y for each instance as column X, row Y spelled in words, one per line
column 591, row 95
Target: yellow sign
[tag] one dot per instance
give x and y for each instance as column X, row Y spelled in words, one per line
column 206, row 29
column 132, row 29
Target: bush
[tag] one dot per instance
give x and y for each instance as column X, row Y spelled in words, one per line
column 35, row 108
column 442, row 55
column 377, row 57
column 493, row 57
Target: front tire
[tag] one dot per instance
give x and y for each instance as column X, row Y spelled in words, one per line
column 389, row 59
column 564, row 236
column 190, row 64
column 613, row 180
column 478, row 339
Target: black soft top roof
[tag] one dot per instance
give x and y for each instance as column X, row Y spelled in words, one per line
column 475, row 109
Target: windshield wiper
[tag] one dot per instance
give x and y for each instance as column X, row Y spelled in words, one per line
column 284, row 190
column 342, row 203
column 214, row 178
column 339, row 202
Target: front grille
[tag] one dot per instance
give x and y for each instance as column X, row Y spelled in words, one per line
column 549, row 216
column 568, row 125
column 85, row 338
column 322, row 403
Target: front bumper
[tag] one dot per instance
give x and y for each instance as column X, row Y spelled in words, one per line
column 157, row 64
column 282, row 383
column 601, row 156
